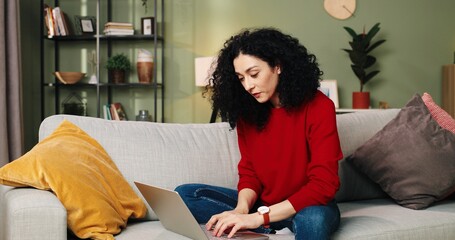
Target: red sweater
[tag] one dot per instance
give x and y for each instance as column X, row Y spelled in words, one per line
column 295, row 157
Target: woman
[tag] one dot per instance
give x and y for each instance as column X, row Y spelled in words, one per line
column 266, row 85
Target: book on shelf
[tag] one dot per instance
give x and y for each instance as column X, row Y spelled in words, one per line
column 56, row 21
column 57, row 14
column 121, row 24
column 119, row 32
column 117, row 112
column 49, row 20
column 118, row 28
column 107, row 112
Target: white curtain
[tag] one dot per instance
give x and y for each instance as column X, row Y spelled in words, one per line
column 11, row 123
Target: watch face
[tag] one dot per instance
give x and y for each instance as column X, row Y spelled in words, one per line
column 340, row 9
column 263, row 209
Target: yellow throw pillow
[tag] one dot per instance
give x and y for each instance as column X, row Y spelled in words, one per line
column 78, row 170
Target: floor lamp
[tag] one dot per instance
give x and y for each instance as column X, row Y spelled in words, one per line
column 203, row 70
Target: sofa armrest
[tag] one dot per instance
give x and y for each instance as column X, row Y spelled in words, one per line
column 28, row 213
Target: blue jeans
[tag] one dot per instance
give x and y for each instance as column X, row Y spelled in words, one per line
column 314, row 222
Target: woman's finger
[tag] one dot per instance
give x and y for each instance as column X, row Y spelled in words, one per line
column 234, row 229
column 212, row 221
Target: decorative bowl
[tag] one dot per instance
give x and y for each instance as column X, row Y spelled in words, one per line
column 69, row 77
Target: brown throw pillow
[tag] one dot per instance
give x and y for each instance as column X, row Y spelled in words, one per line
column 412, row 158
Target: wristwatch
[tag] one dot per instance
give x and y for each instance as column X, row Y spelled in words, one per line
column 264, row 211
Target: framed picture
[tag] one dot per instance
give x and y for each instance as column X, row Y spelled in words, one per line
column 330, row 89
column 85, row 24
column 148, row 25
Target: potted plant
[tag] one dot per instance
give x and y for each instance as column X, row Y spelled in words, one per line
column 361, row 47
column 118, row 65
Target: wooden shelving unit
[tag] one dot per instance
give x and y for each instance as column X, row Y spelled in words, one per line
column 104, row 90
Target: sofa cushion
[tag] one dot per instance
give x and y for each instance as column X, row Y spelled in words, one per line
column 82, row 175
column 163, row 154
column 28, row 213
column 381, row 219
column 354, row 129
column 411, row 158
column 154, row 230
column 442, row 117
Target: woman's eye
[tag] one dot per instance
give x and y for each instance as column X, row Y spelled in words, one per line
column 254, row 75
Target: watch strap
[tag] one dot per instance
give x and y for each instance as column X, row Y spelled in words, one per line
column 266, row 220
column 264, row 211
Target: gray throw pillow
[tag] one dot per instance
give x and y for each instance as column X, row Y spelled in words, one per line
column 412, row 158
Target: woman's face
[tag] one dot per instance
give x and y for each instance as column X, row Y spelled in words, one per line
column 258, row 78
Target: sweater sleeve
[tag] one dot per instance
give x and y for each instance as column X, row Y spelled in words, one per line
column 324, row 153
column 247, row 175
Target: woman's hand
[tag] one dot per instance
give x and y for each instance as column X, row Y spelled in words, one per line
column 233, row 221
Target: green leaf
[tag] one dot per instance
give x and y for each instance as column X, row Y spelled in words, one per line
column 369, row 61
column 351, row 32
column 358, row 58
column 373, row 31
column 370, row 76
column 358, row 71
column 375, row 45
column 356, row 45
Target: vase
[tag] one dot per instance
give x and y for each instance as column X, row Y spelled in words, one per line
column 361, row 100
column 144, row 66
column 144, row 116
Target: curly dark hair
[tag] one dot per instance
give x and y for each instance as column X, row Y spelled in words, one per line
column 298, row 81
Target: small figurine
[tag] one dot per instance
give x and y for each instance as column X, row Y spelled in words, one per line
column 92, row 61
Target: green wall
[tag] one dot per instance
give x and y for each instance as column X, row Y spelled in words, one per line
column 420, row 38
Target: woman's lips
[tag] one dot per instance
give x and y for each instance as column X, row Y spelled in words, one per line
column 256, row 95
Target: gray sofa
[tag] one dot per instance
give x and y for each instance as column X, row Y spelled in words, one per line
column 171, row 154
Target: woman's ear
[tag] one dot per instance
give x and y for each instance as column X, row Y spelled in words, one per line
column 278, row 69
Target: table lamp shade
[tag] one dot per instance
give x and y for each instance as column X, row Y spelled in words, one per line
column 203, row 70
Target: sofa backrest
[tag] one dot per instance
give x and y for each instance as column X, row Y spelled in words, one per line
column 163, row 154
column 354, row 129
column 169, row 154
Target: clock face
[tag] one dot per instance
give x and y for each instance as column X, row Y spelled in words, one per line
column 340, row 9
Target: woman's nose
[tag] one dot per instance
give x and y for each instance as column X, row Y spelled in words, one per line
column 247, row 84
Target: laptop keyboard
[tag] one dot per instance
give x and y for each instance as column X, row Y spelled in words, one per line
column 242, row 235
column 210, row 236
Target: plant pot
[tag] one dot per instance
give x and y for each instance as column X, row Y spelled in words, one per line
column 361, row 100
column 117, row 76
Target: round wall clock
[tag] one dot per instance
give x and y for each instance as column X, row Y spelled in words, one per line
column 340, row 9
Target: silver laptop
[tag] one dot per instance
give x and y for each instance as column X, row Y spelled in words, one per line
column 176, row 217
